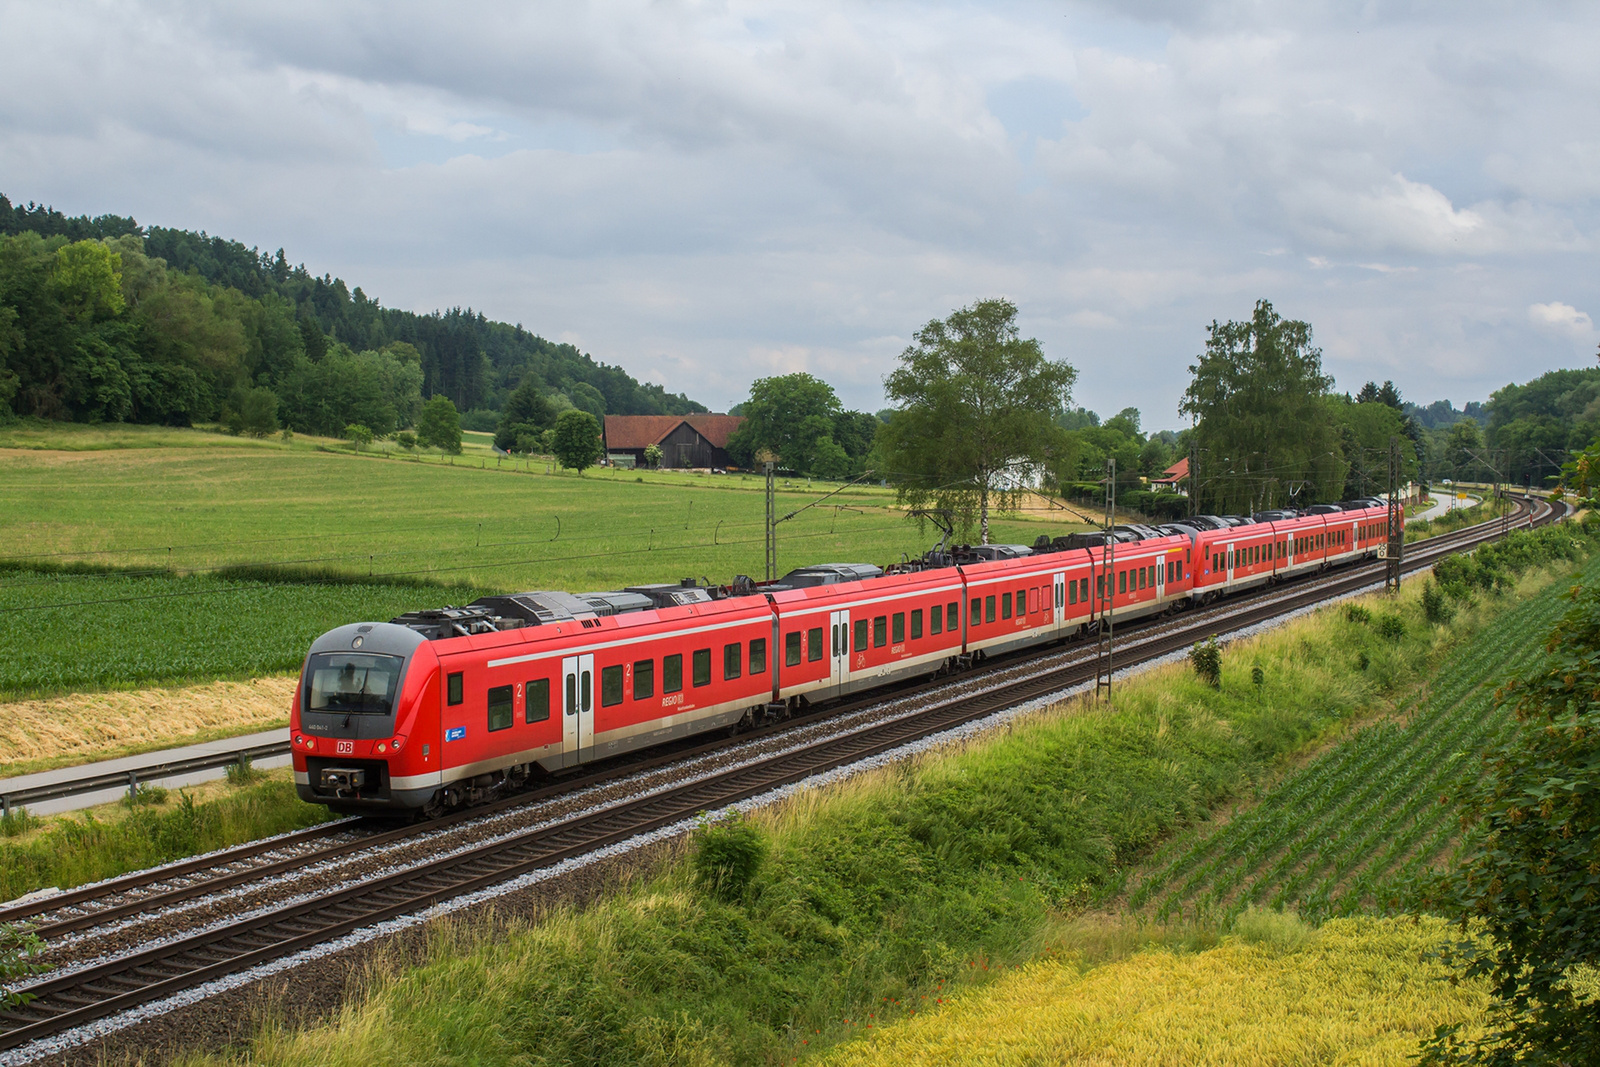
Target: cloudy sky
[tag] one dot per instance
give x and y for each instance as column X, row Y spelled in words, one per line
column 706, row 193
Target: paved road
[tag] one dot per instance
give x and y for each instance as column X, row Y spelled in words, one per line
column 136, row 763
column 1445, row 501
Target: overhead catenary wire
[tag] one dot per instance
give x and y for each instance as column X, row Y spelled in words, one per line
column 378, row 579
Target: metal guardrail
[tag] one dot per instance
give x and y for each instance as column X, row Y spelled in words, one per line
column 10, row 798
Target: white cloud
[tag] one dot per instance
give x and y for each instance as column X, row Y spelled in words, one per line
column 706, row 192
column 1562, row 319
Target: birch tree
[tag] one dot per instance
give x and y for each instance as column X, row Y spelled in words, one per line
column 974, row 409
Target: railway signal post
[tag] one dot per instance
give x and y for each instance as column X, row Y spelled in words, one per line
column 1391, row 570
column 1102, row 671
column 772, row 525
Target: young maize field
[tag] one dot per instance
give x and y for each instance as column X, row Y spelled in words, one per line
column 1352, row 831
column 72, row 632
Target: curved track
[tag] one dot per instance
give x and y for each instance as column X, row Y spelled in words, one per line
column 177, row 963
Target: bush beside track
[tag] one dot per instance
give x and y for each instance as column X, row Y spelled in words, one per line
column 867, row 899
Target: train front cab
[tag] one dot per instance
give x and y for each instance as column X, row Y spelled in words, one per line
column 362, row 740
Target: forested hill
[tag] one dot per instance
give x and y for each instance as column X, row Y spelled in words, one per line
column 460, row 354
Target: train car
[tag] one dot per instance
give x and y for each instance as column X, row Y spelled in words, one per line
column 1011, row 599
column 844, row 629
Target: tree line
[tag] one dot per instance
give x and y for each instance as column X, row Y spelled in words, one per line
column 104, row 319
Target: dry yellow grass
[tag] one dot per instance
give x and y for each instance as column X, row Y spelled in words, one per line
column 36, row 735
column 1362, row 991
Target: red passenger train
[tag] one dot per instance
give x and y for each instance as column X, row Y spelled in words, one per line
column 439, row 709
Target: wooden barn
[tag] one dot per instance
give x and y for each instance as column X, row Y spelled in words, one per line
column 685, row 440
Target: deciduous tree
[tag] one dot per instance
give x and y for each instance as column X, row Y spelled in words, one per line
column 1531, row 877
column 788, row 415
column 1264, row 427
column 439, row 426
column 974, row 416
column 576, row 441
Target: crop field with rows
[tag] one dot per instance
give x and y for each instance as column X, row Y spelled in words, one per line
column 1351, row 831
column 73, row 632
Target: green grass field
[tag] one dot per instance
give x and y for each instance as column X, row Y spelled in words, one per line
column 182, row 503
column 494, row 523
column 1354, row 829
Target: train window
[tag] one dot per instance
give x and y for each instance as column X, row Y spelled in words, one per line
column 701, row 666
column 861, row 635
column 1005, row 605
column 1099, row 587
column 975, row 616
column 1083, row 592
column 1072, row 591
column 916, row 623
column 536, row 702
column 935, row 621
column 502, row 705
column 758, row 656
column 672, row 673
column 644, row 679
column 814, row 644
column 1022, row 602
column 952, row 616
column 586, row 691
column 898, row 626
column 572, row 694
column 880, row 631
column 610, row 686
column 791, row 649
column 732, row 661
column 988, row 609
column 1122, row 581
column 1144, row 580
column 454, row 692
column 1033, row 600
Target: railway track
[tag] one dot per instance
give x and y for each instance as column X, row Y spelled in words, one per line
column 121, row 898
column 180, row 962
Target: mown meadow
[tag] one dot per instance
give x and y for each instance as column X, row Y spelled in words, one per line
column 223, row 558
column 845, row 910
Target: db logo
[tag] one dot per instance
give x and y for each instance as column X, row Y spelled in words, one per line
column 346, row 748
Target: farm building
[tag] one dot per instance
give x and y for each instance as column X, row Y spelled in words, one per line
column 1174, row 477
column 685, row 440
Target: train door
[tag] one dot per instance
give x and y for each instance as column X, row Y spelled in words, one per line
column 1060, row 586
column 1161, row 578
column 840, row 665
column 577, row 688
column 1230, row 564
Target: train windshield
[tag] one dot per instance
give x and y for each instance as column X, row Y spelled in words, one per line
column 344, row 683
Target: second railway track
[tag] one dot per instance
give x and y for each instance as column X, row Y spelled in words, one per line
column 134, row 978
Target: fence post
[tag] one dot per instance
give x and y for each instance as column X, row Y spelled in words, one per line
column 133, row 787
